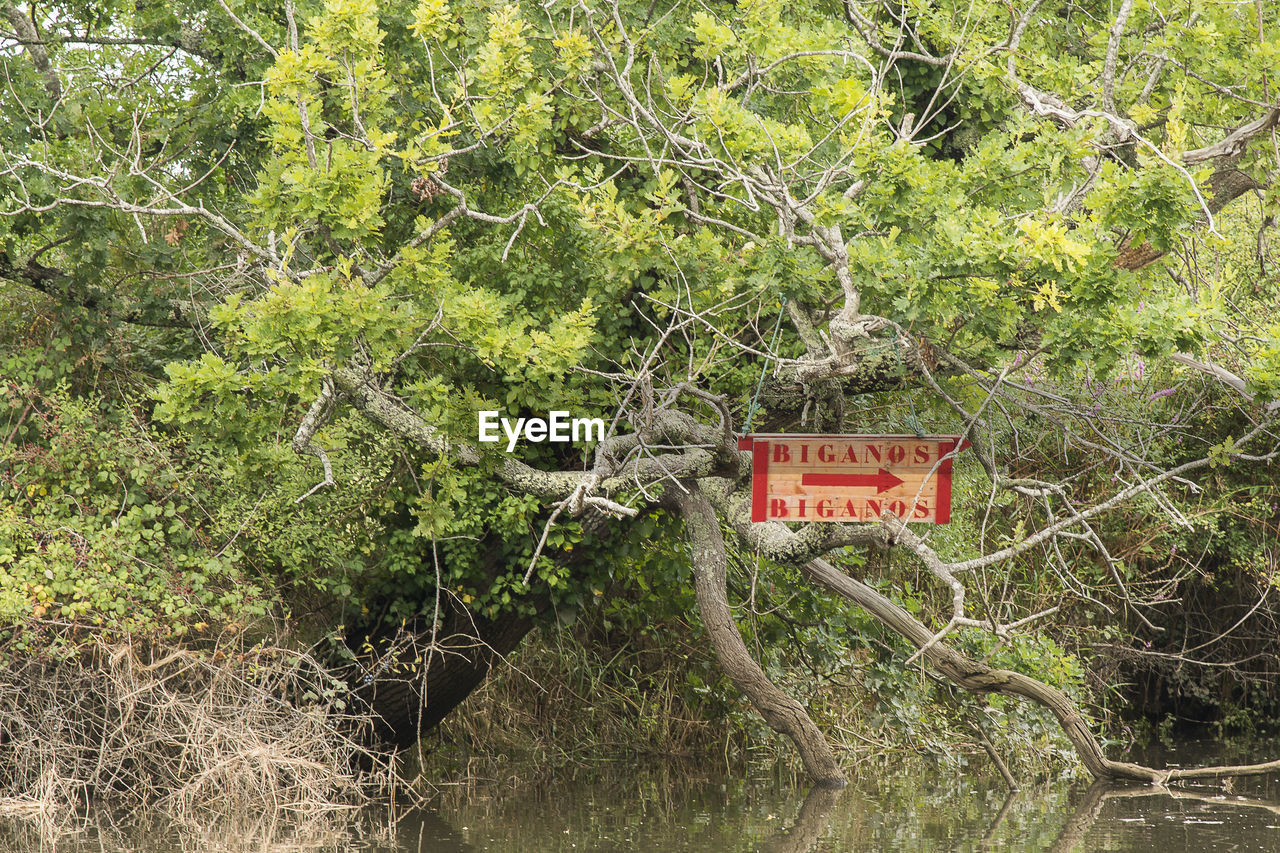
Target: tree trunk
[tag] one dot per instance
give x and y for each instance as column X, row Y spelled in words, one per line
column 414, row 683
column 783, row 713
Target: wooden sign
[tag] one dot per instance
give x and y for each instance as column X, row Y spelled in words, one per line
column 850, row 477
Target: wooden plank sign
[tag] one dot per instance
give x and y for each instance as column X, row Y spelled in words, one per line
column 850, row 477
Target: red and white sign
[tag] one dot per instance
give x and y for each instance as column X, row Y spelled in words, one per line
column 850, row 477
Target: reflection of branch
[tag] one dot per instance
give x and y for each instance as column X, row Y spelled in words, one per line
column 1082, row 819
column 1116, row 793
column 989, row 838
column 1086, row 812
column 812, row 821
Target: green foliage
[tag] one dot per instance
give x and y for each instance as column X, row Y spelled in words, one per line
column 98, row 524
column 471, row 203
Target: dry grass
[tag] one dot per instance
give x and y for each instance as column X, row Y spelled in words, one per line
column 192, row 734
column 263, row 833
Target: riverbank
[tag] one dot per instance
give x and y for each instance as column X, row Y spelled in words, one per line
column 562, row 702
column 228, row 720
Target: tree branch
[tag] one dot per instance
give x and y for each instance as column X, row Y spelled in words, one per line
column 55, row 283
column 30, row 39
column 978, row 677
column 304, row 439
column 1235, row 143
column 623, row 462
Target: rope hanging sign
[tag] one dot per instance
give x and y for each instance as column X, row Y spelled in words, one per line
column 851, row 477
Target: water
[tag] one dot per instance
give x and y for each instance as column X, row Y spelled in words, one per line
column 889, row 806
column 882, row 810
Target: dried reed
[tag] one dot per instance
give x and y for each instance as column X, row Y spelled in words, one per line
column 194, row 732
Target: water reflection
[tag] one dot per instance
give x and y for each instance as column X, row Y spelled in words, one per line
column 809, row 826
column 1109, row 818
column 901, row 806
column 887, row 808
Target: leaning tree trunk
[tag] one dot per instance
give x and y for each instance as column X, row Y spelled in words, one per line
column 977, row 677
column 417, row 679
column 783, row 713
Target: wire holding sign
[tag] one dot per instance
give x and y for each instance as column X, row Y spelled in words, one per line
column 850, row 477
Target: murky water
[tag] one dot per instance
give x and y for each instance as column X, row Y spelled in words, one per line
column 905, row 806
column 881, row 811
column 886, row 808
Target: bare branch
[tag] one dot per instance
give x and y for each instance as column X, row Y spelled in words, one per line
column 248, row 29
column 1113, row 51
column 978, row 677
column 689, row 460
column 1236, row 142
column 1223, row 375
column 304, row 439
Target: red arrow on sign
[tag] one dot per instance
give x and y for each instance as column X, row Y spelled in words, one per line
column 883, row 481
